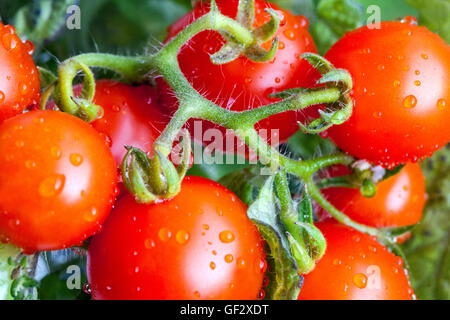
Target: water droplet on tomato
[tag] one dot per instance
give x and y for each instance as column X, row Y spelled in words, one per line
column 417, row 72
column 206, row 227
column 87, row 288
column 164, row 234
column 241, row 263
column 52, row 185
column 360, row 280
column 417, row 83
column 229, row 258
column 441, row 104
column 226, row 236
column 290, row 34
column 20, row 143
column 281, row 45
column 30, row 164
column 149, row 243
column 9, row 41
column 261, row 295
column 90, row 215
column 197, row 294
column 410, row 102
column 410, row 20
column 182, row 237
column 76, row 159
column 2, row 97
column 212, row 265
column 56, row 152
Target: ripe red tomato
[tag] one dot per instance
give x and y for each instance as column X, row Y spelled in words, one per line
column 399, row 200
column 58, row 180
column 198, row 245
column 19, row 82
column 243, row 84
column 131, row 116
column 355, row 267
column 401, row 76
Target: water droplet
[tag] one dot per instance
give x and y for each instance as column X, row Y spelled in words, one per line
column 261, row 295
column 90, row 215
column 290, row 34
column 197, row 294
column 241, row 263
column 149, row 243
column 29, row 46
column 337, row 262
column 417, row 72
column 229, row 258
column 30, row 164
column 56, row 152
column 277, row 80
column 206, row 227
column 76, row 159
column 441, row 104
column 212, row 265
column 87, row 288
column 396, row 83
column 281, row 45
column 52, row 185
column 360, row 280
column 261, row 265
column 182, row 237
column 377, row 115
column 164, row 234
column 410, row 102
column 424, row 56
column 20, row 143
column 410, row 20
column 9, row 41
column 417, row 83
column 226, row 236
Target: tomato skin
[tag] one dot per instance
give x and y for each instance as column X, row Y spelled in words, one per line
column 399, row 200
column 131, row 116
column 58, row 180
column 243, row 84
column 401, row 76
column 355, row 267
column 19, row 84
column 178, row 248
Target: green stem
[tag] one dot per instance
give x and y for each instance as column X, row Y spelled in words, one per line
column 341, row 217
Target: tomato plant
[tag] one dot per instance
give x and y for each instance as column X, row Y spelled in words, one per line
column 243, row 84
column 19, row 83
column 58, row 180
column 355, row 267
column 401, row 92
column 198, row 245
column 399, row 200
column 131, row 116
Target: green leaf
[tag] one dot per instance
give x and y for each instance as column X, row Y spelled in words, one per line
column 435, row 14
column 245, row 183
column 7, row 251
column 335, row 17
column 284, row 282
column 428, row 251
column 307, row 146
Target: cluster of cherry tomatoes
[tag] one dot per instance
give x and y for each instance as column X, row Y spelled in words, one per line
column 59, row 183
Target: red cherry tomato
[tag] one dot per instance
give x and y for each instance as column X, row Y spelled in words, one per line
column 19, row 82
column 131, row 116
column 243, row 84
column 399, row 200
column 58, row 180
column 198, row 245
column 401, row 76
column 355, row 267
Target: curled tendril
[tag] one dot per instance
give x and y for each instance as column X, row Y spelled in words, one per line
column 65, row 98
column 338, row 112
column 156, row 178
column 246, row 16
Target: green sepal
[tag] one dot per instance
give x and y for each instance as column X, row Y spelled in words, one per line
column 183, row 167
column 258, row 54
column 268, row 30
column 87, row 111
column 229, row 52
column 246, row 13
column 368, row 188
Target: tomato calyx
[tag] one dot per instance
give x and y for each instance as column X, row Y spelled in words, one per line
column 336, row 112
column 157, row 178
column 232, row 50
